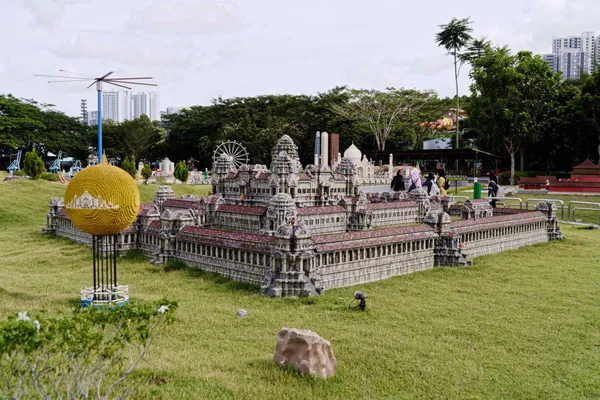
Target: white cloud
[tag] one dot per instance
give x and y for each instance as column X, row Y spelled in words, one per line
column 125, row 50
column 429, row 66
column 197, row 17
column 544, row 19
column 49, row 12
column 363, row 76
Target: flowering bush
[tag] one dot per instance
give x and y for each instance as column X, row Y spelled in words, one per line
column 89, row 353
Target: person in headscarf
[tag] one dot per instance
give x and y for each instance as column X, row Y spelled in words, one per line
column 398, row 182
column 441, row 181
column 415, row 179
column 493, row 187
column 430, row 185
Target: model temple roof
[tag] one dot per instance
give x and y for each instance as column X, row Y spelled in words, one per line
column 320, row 210
column 587, row 164
column 250, row 210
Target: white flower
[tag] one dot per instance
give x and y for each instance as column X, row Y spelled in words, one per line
column 162, row 309
column 37, row 325
column 22, row 316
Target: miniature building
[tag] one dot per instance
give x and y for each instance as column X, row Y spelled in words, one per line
column 479, row 208
column 366, row 170
column 585, row 178
column 167, row 166
column 299, row 233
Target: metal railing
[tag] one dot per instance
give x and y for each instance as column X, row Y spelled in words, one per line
column 584, row 209
column 562, row 205
column 453, row 198
column 503, row 199
column 571, row 214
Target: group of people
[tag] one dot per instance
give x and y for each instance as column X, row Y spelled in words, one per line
column 434, row 187
column 439, row 186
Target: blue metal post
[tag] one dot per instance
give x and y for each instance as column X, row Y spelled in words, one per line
column 99, row 88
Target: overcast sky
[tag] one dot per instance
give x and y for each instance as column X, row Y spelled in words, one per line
column 200, row 49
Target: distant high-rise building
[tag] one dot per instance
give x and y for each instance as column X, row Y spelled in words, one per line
column 552, row 60
column 146, row 104
column 84, row 111
column 140, row 105
column 153, row 106
column 574, row 55
column 173, row 110
column 116, row 106
column 92, row 118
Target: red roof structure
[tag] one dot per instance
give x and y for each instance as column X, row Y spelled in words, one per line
column 587, row 167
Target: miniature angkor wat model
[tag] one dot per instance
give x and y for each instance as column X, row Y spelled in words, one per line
column 298, row 233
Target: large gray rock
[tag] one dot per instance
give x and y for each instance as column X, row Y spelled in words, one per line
column 305, row 351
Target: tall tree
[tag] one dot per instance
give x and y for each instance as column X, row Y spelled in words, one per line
column 475, row 49
column 590, row 102
column 134, row 137
column 20, row 123
column 513, row 96
column 434, row 110
column 382, row 112
column 454, row 36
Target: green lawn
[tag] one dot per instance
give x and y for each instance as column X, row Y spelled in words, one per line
column 521, row 325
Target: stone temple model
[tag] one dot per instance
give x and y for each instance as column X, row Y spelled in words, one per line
column 300, row 232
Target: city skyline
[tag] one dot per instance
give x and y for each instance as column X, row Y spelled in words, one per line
column 575, row 54
column 123, row 105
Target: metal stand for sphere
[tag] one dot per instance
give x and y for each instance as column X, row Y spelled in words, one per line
column 106, row 290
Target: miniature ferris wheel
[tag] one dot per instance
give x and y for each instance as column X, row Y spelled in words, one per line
column 234, row 150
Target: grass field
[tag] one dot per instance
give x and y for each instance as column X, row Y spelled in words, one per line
column 521, row 325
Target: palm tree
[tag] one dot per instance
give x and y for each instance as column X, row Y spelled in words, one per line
column 475, row 49
column 453, row 37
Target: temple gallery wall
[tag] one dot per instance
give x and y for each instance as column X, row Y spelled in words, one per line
column 298, row 233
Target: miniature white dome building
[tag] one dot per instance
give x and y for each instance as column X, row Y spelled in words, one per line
column 364, row 167
column 353, row 153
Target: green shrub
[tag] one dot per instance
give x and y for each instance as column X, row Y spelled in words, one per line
column 49, row 177
column 128, row 165
column 88, row 351
column 146, row 172
column 33, row 165
column 181, row 171
column 19, row 173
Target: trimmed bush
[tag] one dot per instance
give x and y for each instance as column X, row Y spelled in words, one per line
column 49, row 177
column 128, row 165
column 146, row 173
column 33, row 165
column 181, row 171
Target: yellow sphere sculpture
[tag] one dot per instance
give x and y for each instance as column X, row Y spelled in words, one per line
column 102, row 200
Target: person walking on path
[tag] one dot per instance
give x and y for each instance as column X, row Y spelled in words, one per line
column 493, row 187
column 432, row 188
column 398, row 182
column 443, row 183
column 415, row 179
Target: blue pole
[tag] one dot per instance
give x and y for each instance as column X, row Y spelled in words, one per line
column 99, row 88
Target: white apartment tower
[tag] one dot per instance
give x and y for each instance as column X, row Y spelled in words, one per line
column 146, row 103
column 573, row 55
column 116, row 106
column 92, row 118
